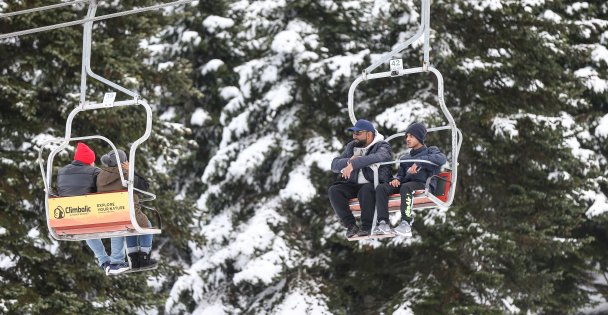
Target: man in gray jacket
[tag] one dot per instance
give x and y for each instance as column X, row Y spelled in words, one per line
column 366, row 149
column 79, row 178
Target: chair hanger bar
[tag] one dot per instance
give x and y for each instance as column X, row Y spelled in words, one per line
column 422, row 30
column 48, row 7
column 99, row 18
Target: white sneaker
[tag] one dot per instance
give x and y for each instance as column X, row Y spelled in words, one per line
column 383, row 228
column 404, row 229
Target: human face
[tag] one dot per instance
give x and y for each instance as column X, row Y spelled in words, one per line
column 360, row 138
column 411, row 141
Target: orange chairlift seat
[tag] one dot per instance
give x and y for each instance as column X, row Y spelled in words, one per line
column 98, row 215
column 421, row 201
column 446, row 180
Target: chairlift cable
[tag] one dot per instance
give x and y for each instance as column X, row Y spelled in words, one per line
column 48, row 7
column 95, row 19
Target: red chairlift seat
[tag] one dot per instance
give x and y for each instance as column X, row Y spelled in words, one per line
column 444, row 181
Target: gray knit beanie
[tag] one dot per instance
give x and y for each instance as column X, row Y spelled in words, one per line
column 109, row 158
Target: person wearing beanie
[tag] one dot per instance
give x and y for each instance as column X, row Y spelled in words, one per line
column 410, row 177
column 366, row 148
column 138, row 247
column 80, row 178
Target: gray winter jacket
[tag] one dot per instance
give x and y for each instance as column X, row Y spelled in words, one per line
column 378, row 152
column 77, row 179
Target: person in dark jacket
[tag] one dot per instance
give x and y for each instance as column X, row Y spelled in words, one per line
column 138, row 247
column 366, row 149
column 411, row 177
column 79, row 178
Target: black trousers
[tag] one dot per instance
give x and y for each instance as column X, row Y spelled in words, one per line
column 339, row 194
column 407, row 199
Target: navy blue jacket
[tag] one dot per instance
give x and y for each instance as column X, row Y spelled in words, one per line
column 378, row 152
column 77, row 179
column 431, row 154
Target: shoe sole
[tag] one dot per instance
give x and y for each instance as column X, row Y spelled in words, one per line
column 404, row 234
column 117, row 272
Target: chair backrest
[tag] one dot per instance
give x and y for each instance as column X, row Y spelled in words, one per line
column 443, row 185
column 98, row 212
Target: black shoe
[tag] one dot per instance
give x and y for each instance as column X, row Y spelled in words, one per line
column 363, row 232
column 134, row 258
column 145, row 262
column 352, row 231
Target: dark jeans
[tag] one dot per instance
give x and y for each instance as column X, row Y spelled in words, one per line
column 339, row 194
column 407, row 199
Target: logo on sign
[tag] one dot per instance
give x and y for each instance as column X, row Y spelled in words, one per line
column 58, row 213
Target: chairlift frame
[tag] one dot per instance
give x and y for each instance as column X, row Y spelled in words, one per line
column 133, row 227
column 456, row 135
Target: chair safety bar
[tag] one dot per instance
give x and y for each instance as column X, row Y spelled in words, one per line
column 85, row 20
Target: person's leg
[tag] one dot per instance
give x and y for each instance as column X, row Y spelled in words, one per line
column 145, row 241
column 367, row 200
column 382, row 193
column 338, row 197
column 99, row 251
column 118, row 250
column 407, row 199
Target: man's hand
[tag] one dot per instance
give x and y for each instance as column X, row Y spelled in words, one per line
column 347, row 170
column 125, row 166
column 395, row 183
column 413, row 169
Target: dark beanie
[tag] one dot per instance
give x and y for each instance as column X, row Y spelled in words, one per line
column 417, row 130
column 109, row 158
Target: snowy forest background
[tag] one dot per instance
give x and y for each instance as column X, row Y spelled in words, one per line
column 250, row 107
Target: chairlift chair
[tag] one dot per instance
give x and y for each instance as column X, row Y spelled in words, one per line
column 446, row 180
column 98, row 215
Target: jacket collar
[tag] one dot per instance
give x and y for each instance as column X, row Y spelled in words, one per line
column 418, row 151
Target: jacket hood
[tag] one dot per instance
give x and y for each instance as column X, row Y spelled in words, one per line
column 377, row 138
column 108, row 176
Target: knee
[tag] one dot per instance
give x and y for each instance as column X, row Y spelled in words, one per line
column 331, row 190
column 366, row 190
column 383, row 188
column 405, row 189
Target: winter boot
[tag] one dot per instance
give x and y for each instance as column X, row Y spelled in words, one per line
column 145, row 262
column 134, row 258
